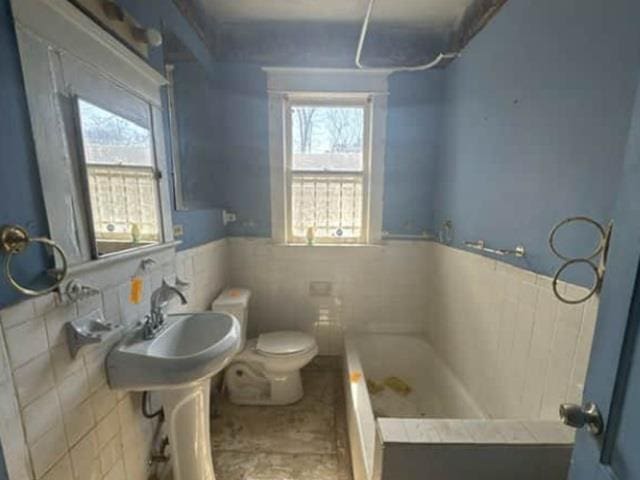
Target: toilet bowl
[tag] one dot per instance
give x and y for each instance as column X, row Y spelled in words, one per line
column 267, row 369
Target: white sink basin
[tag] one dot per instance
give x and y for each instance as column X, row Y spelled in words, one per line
column 190, row 348
column 180, row 362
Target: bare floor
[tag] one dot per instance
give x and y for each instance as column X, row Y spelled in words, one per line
column 305, row 441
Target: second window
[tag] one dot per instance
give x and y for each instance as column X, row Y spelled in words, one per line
column 327, row 170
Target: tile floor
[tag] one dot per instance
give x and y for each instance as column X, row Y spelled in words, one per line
column 305, row 441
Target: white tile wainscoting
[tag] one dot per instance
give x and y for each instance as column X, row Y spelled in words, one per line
column 58, row 418
column 373, row 287
column 518, row 350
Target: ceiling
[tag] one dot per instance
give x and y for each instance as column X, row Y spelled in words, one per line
column 437, row 14
column 324, row 33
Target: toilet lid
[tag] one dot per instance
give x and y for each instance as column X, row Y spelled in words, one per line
column 284, row 343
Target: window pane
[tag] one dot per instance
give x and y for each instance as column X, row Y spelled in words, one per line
column 120, row 167
column 331, row 205
column 328, row 138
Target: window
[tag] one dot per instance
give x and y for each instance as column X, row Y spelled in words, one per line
column 121, row 178
column 327, row 130
column 328, row 168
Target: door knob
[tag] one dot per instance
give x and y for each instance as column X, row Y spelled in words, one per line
column 577, row 416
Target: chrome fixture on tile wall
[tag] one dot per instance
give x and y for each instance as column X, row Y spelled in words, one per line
column 88, row 329
column 76, row 291
column 426, row 236
column 519, row 251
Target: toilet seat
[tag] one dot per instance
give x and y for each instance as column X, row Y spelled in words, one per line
column 284, row 343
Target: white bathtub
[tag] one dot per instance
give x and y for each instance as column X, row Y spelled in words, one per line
column 436, row 431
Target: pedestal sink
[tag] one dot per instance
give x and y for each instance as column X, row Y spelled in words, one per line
column 179, row 363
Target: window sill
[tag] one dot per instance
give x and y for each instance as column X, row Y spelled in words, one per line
column 92, row 266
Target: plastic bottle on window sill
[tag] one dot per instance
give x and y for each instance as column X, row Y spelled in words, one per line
column 310, row 235
column 135, row 233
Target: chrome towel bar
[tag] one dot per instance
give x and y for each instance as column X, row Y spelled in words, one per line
column 400, row 236
column 519, row 251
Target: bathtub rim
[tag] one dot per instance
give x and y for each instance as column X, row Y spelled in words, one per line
column 474, row 432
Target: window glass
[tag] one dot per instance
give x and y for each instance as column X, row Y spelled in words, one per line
column 121, row 179
column 328, row 169
column 327, row 138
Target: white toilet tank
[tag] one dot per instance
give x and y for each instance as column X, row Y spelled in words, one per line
column 234, row 301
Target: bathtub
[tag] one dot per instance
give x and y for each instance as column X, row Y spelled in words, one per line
column 422, row 424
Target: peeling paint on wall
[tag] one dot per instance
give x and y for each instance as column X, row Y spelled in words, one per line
column 477, row 16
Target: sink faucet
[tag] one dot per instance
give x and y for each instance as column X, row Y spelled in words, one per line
column 160, row 298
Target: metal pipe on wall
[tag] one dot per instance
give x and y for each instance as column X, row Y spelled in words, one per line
column 416, row 68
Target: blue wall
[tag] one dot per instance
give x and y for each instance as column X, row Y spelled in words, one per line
column 245, row 129
column 198, row 114
column 200, row 226
column 413, row 138
column 537, row 115
column 528, row 127
column 19, row 182
column 414, row 132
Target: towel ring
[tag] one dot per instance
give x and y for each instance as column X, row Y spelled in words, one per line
column 601, row 250
column 566, row 221
column 15, row 239
column 594, row 288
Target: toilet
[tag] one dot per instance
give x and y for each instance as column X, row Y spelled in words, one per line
column 267, row 369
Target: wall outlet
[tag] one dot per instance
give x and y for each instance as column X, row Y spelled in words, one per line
column 228, row 217
column 178, row 231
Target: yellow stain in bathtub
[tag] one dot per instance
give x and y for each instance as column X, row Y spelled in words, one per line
column 398, row 385
column 355, row 377
column 374, row 387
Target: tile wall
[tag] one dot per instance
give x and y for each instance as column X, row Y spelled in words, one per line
column 381, row 287
column 59, row 420
column 518, row 350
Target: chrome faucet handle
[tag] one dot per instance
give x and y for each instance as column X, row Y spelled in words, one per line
column 148, row 327
column 160, row 299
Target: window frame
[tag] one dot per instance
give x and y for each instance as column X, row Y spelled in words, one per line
column 61, row 60
column 328, row 99
column 141, row 116
column 285, row 82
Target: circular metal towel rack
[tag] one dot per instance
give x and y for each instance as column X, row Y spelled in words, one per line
column 602, row 250
column 15, row 239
